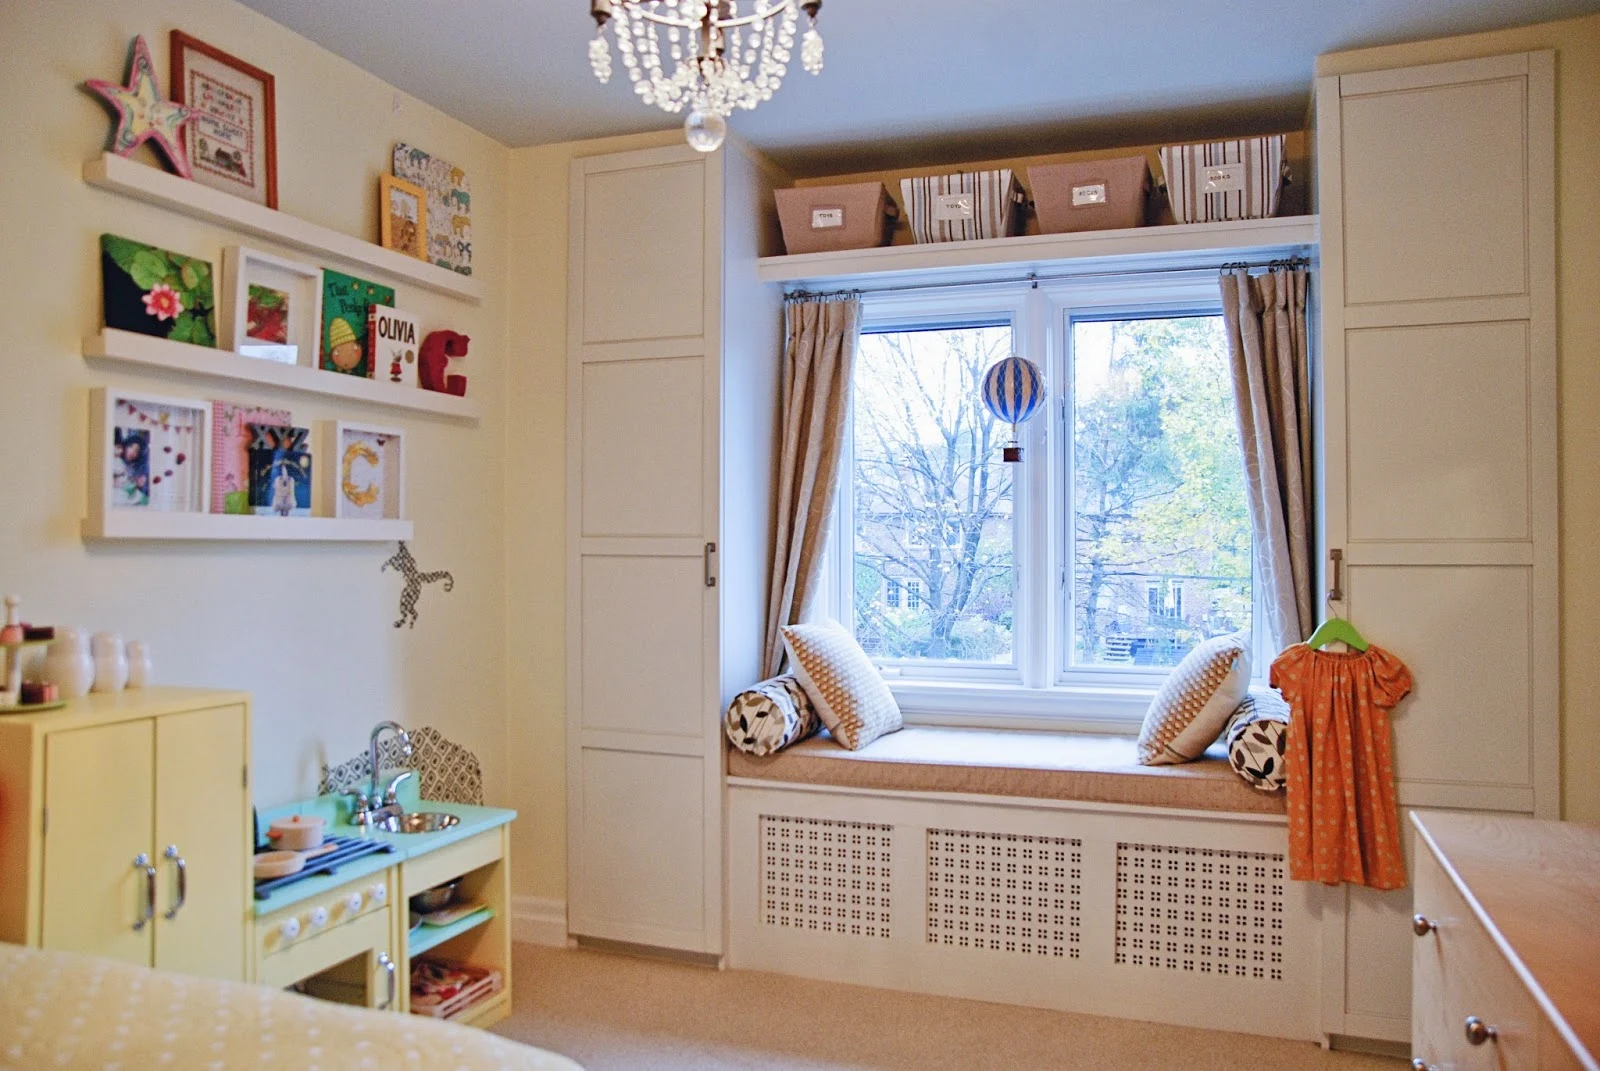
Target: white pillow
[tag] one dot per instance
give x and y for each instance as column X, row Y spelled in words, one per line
column 843, row 684
column 1196, row 701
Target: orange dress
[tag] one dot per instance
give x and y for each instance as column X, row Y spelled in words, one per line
column 1344, row 824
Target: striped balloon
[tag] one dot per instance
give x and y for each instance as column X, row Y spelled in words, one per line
column 1013, row 389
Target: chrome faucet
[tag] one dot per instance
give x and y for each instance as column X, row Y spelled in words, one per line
column 379, row 801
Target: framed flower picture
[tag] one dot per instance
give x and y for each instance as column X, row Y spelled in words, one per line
column 148, row 452
column 403, row 216
column 364, row 477
column 232, row 144
column 154, row 291
column 271, row 307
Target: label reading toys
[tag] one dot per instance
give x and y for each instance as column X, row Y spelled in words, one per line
column 823, row 219
column 948, row 207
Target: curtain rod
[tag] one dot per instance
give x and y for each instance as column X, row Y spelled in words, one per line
column 1035, row 278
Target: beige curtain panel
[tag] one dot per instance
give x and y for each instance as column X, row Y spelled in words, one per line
column 1266, row 321
column 819, row 355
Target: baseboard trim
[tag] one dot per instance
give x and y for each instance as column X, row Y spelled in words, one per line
column 539, row 920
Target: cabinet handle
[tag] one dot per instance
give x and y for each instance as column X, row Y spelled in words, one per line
column 1479, row 1031
column 142, row 862
column 1335, row 566
column 1419, row 1064
column 389, row 968
column 183, row 881
column 1422, row 925
column 711, row 578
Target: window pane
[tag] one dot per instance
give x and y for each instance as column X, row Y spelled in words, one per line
column 933, row 519
column 1161, row 554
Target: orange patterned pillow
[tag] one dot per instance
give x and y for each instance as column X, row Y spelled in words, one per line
column 1196, row 701
column 844, row 685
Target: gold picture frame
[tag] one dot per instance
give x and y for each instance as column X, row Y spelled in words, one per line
column 403, row 216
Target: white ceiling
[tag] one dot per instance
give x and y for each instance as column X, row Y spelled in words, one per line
column 927, row 80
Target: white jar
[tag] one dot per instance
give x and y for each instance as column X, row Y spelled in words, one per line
column 68, row 664
column 138, row 664
column 110, row 663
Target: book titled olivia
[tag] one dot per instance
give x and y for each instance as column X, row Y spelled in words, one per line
column 392, row 337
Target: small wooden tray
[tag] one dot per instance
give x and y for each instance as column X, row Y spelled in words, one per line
column 30, row 708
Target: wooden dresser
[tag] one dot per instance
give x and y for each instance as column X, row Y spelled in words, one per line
column 1507, row 955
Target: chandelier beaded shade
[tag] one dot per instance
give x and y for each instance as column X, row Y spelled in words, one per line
column 709, row 56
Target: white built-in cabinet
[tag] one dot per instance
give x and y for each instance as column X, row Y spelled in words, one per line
column 674, row 350
column 1438, row 424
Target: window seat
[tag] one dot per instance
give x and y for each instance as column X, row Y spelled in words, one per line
column 1034, row 765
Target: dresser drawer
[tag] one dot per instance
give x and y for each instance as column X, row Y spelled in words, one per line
column 1458, row 972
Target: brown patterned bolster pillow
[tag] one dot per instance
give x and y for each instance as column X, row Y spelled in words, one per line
column 1256, row 739
column 770, row 716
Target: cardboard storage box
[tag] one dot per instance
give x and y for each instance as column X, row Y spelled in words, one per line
column 816, row 219
column 1090, row 195
column 1218, row 180
column 959, row 208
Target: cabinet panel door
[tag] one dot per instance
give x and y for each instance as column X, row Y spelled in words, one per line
column 203, row 811
column 643, row 252
column 644, row 652
column 99, row 798
column 643, row 447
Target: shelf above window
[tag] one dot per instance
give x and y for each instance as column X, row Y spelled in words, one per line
column 142, row 182
column 145, row 524
column 1174, row 246
column 150, row 351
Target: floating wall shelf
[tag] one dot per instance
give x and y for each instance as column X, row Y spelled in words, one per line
column 142, row 524
column 114, row 345
column 145, row 183
column 1172, row 246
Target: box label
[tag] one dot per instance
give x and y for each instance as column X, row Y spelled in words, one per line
column 952, row 206
column 1223, row 178
column 1092, row 194
column 826, row 218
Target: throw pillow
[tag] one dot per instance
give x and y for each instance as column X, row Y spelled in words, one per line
column 1194, row 704
column 843, row 684
column 771, row 715
column 1257, row 737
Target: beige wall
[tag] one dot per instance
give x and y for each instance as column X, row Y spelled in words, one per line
column 1577, row 45
column 307, row 628
column 536, row 398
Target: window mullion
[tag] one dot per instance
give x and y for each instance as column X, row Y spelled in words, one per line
column 1035, row 593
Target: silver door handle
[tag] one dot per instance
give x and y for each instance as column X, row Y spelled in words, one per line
column 183, row 880
column 388, row 965
column 1335, row 561
column 711, row 577
column 142, row 862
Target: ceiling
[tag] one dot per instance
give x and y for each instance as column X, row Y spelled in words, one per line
column 925, row 81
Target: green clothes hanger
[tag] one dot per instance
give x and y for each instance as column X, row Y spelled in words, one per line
column 1337, row 628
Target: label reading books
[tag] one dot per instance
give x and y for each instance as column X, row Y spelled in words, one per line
column 1092, row 194
column 1223, row 178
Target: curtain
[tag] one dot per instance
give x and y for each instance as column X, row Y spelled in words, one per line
column 1266, row 321
column 819, row 354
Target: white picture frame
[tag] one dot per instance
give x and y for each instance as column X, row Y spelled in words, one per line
column 363, row 460
column 300, row 284
column 175, row 451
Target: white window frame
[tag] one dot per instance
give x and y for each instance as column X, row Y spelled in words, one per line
column 1040, row 689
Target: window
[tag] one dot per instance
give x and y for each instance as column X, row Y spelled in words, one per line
column 1120, row 541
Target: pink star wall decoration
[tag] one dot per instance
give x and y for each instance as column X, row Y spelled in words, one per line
column 142, row 114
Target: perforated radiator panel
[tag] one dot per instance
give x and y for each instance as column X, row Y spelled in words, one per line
column 1205, row 910
column 1005, row 892
column 827, row 876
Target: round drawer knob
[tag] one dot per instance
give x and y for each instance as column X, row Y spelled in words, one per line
column 352, row 903
column 318, row 917
column 1479, row 1031
column 1422, row 925
column 379, row 893
column 1419, row 1064
column 289, row 929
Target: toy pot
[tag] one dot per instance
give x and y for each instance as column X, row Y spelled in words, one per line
column 68, row 664
column 110, row 663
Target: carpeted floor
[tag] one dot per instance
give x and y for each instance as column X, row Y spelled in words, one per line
column 618, row 1013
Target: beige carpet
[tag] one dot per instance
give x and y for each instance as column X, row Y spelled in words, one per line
column 618, row 1013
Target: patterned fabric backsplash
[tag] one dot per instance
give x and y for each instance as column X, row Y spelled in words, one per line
column 447, row 771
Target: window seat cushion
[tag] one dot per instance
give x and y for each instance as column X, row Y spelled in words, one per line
column 1033, row 765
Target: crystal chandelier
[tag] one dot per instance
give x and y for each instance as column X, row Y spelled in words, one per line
column 723, row 54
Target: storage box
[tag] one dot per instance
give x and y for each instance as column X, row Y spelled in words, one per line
column 1218, row 180
column 959, row 208
column 816, row 219
column 1090, row 195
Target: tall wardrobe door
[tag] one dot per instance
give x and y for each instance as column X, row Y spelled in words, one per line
column 99, row 794
column 642, row 497
column 202, row 819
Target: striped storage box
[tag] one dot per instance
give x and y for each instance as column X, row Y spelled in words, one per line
column 959, row 208
column 1219, row 180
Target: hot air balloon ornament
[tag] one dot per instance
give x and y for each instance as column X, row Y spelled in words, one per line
column 1013, row 390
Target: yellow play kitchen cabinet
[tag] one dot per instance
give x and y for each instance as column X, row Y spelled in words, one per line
column 125, row 829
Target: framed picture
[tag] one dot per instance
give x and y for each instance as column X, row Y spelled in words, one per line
column 280, row 470
column 148, row 452
column 232, row 144
column 449, row 205
column 271, row 307
column 364, row 475
column 403, row 216
column 231, row 439
column 154, row 291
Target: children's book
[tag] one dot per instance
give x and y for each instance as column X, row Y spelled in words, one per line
column 345, row 301
column 230, row 452
column 280, row 471
column 392, row 340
